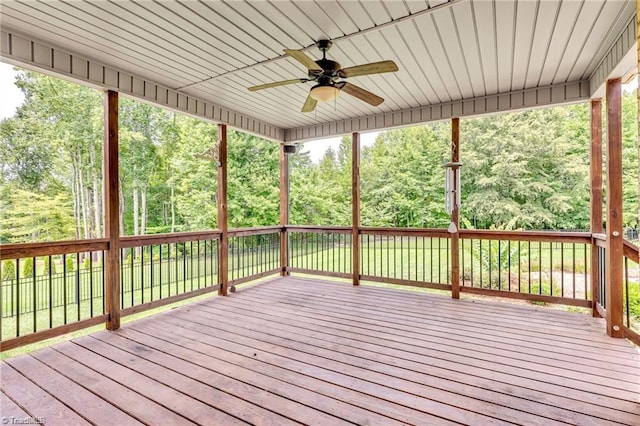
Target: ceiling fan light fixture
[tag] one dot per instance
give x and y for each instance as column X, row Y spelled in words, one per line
column 324, row 93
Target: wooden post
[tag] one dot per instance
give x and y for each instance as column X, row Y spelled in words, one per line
column 284, row 210
column 596, row 193
column 614, row 256
column 455, row 237
column 223, row 263
column 355, row 204
column 111, row 209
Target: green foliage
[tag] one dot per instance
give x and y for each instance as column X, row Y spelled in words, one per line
column 497, row 255
column 527, row 170
column 8, row 270
column 27, row 268
column 49, row 265
column 70, row 264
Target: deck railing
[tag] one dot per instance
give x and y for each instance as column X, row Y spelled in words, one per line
column 50, row 286
column 412, row 257
column 253, row 253
column 552, row 267
column 48, row 289
column 320, row 250
column 165, row 268
column 630, row 289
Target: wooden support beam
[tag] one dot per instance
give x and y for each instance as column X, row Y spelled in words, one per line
column 111, row 209
column 284, row 210
column 223, row 252
column 615, row 242
column 355, row 204
column 596, row 192
column 455, row 237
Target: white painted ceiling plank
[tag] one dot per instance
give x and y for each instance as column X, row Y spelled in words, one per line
column 466, row 33
column 356, row 10
column 605, row 32
column 545, row 23
column 376, row 11
column 567, row 21
column 419, row 63
column 524, row 28
column 505, row 12
column 449, row 88
column 210, row 32
column 417, row 5
column 154, row 37
column 104, row 27
column 321, row 15
column 291, row 10
column 351, row 53
column 586, row 21
column 84, row 45
column 395, row 8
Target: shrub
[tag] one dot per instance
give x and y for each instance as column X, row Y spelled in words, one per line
column 49, row 265
column 71, row 266
column 27, row 269
column 8, row 270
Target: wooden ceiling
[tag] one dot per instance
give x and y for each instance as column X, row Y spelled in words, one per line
column 447, row 50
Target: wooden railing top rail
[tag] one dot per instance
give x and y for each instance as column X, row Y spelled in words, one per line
column 538, row 236
column 417, row 232
column 320, row 229
column 17, row 251
column 256, row 230
column 630, row 250
column 599, row 237
column 180, row 237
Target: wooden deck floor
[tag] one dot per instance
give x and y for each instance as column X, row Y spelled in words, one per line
column 297, row 350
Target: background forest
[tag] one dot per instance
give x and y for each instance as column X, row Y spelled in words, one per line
column 527, row 170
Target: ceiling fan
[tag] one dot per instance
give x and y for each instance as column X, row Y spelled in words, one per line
column 329, row 76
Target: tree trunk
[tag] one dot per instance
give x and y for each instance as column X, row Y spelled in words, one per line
column 83, row 201
column 143, row 215
column 122, row 201
column 97, row 206
column 74, row 194
column 136, row 209
column 173, row 208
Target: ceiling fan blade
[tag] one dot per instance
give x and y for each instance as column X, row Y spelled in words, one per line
column 304, row 59
column 366, row 69
column 309, row 104
column 362, row 94
column 276, row 84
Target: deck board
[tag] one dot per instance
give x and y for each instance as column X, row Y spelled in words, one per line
column 300, row 350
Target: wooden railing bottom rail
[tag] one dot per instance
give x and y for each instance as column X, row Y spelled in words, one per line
column 274, row 271
column 317, row 272
column 39, row 336
column 409, row 283
column 631, row 335
column 177, row 298
column 527, row 296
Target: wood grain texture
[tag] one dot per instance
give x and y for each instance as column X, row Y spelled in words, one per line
column 111, row 209
column 455, row 214
column 39, row 336
column 614, row 256
column 595, row 188
column 284, row 209
column 223, row 252
column 314, row 351
column 355, row 208
column 17, row 251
